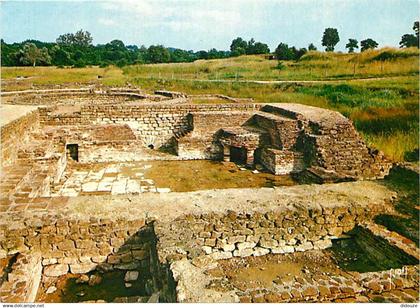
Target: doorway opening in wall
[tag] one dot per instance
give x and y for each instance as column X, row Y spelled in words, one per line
column 238, row 155
column 73, row 151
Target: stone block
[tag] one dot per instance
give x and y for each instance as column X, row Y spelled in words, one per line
column 99, row 259
column 131, row 276
column 243, row 253
column 221, row 255
column 56, row 270
column 66, row 245
column 49, row 261
column 245, row 245
column 259, row 251
column 82, row 268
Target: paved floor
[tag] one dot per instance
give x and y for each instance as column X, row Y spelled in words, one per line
column 110, row 179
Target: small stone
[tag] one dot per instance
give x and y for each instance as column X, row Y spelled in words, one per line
column 131, row 276
column 128, row 285
column 94, row 280
column 51, row 289
column 82, row 279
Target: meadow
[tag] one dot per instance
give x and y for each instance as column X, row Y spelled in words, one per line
column 377, row 89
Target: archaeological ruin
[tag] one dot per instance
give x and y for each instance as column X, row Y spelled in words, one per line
column 111, row 188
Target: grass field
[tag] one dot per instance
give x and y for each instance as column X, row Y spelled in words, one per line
column 378, row 90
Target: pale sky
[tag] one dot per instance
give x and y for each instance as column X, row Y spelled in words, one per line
column 204, row 24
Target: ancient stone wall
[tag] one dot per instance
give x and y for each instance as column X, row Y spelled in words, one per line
column 15, row 134
column 242, row 234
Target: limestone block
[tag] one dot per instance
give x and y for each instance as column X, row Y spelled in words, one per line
column 82, row 268
column 66, row 245
column 304, row 246
column 268, row 243
column 243, row 253
column 259, row 251
column 322, row 244
column 288, row 249
column 221, row 255
column 245, row 245
column 56, row 270
column 49, row 261
column 228, row 247
column 99, row 259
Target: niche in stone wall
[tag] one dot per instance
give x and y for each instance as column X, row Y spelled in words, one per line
column 73, row 151
column 238, row 155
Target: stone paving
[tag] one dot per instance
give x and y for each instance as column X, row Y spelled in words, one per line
column 111, row 179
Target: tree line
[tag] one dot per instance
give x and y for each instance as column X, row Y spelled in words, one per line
column 77, row 50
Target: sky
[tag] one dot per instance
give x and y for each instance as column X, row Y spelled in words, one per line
column 205, row 24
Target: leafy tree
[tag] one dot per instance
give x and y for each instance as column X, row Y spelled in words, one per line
column 408, row 40
column 80, row 38
column 352, row 45
column 411, row 40
column 158, row 54
column 60, row 57
column 283, row 52
column 330, row 39
column 368, row 44
column 311, row 47
column 30, row 55
column 238, row 47
column 256, row 48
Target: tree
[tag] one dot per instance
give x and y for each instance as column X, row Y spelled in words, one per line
column 256, row 48
column 408, row 40
column 368, row 44
column 411, row 40
column 60, row 57
column 283, row 52
column 80, row 38
column 158, row 54
column 311, row 47
column 30, row 55
column 352, row 45
column 330, row 39
column 238, row 47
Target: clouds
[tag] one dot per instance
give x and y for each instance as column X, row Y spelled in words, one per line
column 204, row 24
column 180, row 15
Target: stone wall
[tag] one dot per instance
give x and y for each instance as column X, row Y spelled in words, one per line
column 242, row 234
column 15, row 134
